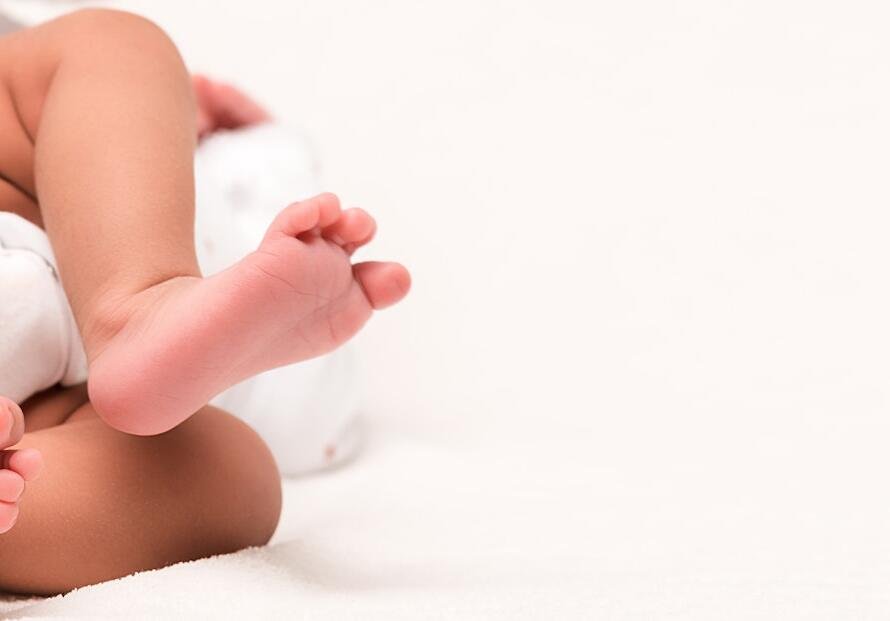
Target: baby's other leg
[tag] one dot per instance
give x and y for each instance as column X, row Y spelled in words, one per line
column 222, row 106
column 111, row 504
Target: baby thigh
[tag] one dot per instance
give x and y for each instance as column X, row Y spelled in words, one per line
column 108, row 504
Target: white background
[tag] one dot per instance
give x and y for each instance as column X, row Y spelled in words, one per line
column 643, row 371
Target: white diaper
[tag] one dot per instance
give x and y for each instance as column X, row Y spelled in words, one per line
column 39, row 342
column 306, row 412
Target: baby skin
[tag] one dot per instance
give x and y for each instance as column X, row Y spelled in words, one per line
column 164, row 352
column 17, row 466
column 100, row 119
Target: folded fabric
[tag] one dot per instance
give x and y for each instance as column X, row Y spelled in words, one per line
column 39, row 342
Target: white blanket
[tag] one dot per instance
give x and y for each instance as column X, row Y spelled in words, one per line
column 426, row 528
column 643, row 373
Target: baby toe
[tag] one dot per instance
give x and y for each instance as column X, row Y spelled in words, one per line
column 9, row 513
column 11, row 486
column 26, row 462
column 353, row 229
column 301, row 218
column 12, row 422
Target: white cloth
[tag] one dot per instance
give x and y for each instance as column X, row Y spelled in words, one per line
column 39, row 342
column 305, row 412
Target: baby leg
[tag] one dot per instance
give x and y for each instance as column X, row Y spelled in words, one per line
column 109, row 106
column 111, row 504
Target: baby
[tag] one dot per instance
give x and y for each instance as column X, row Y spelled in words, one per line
column 98, row 119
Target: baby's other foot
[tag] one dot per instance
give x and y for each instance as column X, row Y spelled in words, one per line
column 222, row 106
column 17, row 466
column 171, row 348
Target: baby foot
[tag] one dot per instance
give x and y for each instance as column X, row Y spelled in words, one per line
column 221, row 106
column 18, row 466
column 165, row 352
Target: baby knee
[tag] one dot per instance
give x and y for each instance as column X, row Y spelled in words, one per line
column 248, row 478
column 110, row 33
column 110, row 22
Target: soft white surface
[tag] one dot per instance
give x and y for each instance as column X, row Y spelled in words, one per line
column 643, row 373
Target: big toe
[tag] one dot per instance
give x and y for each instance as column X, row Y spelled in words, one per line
column 12, row 422
column 306, row 216
column 384, row 283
